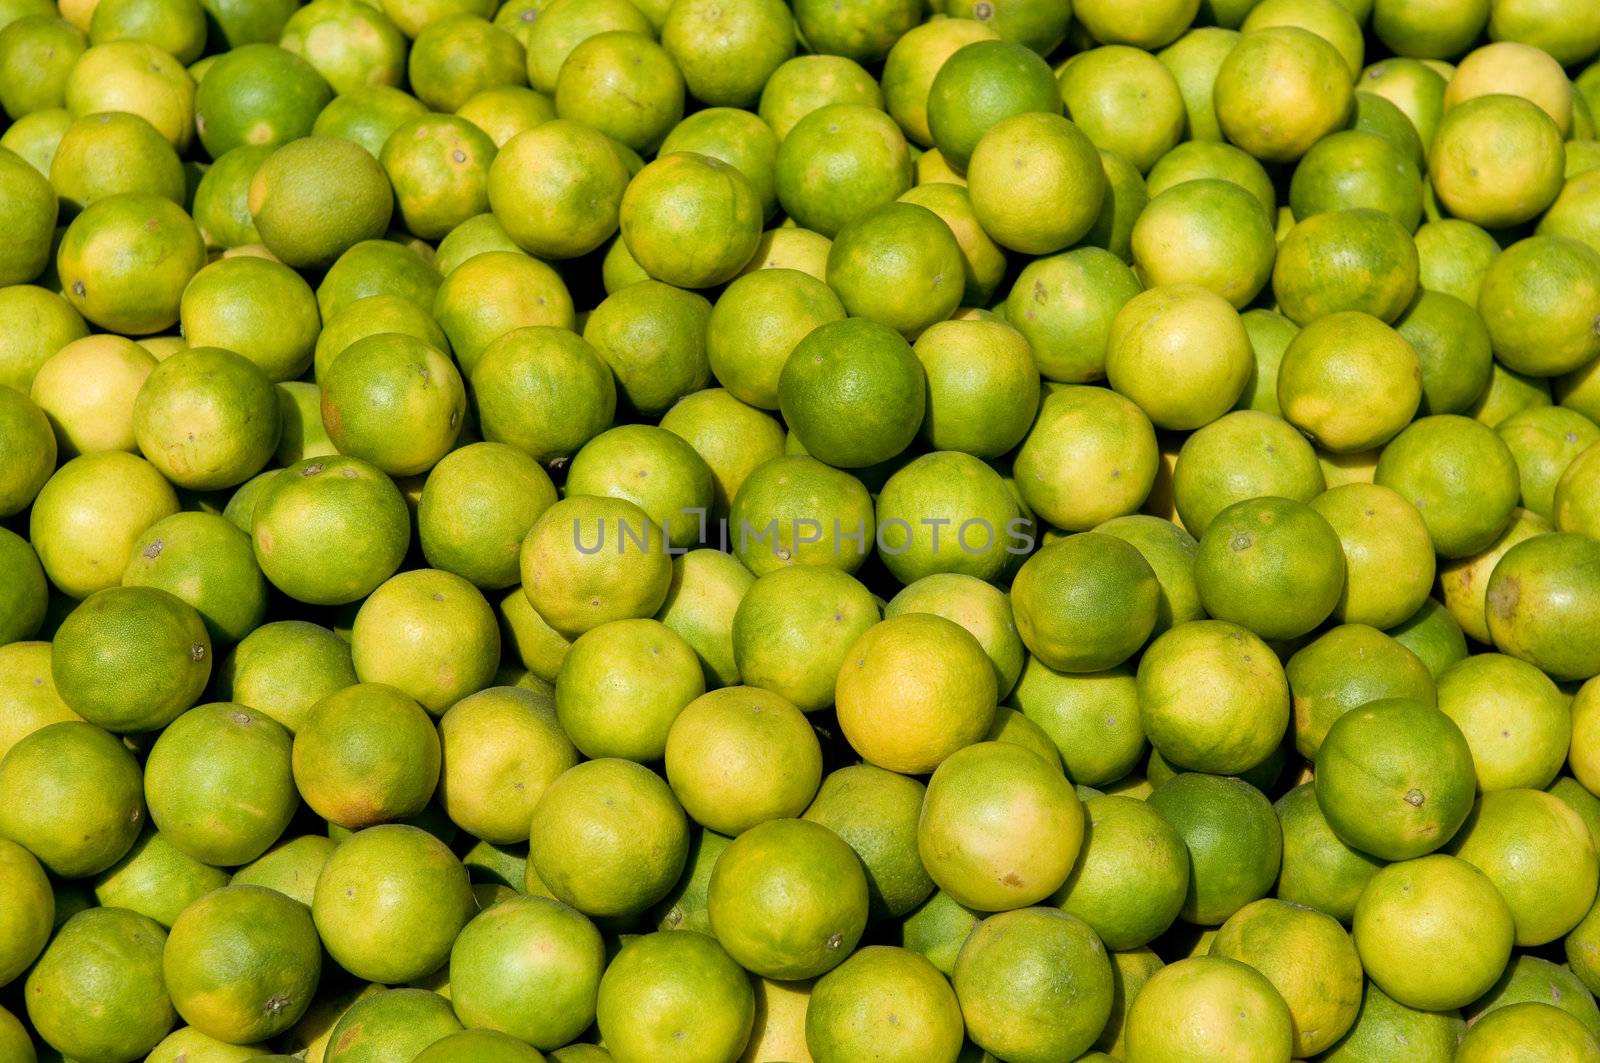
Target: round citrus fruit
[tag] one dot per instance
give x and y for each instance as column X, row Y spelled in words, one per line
column 898, row 266
column 1233, row 838
column 1433, row 933
column 557, row 188
column 1319, row 871
column 853, row 392
column 1459, row 475
column 1181, row 353
column 1034, row 983
column 1207, row 232
column 1540, row 856
column 1527, row 1031
column 242, row 963
column 1514, row 719
column 389, row 903
column 981, row 413
column 325, row 506
column 218, row 784
column 981, row 84
column 1345, row 668
column 97, row 991
column 1213, row 1007
column 315, row 198
column 429, row 634
column 767, row 761
column 1243, row 454
column 1130, row 879
column 876, row 812
column 794, row 510
column 366, row 754
column 1023, row 170
column 207, row 418
column 89, row 514
column 131, row 658
column 1542, row 586
column 1240, row 676
column 992, row 869
column 1272, row 565
column 1085, row 603
column 590, row 559
column 1280, row 91
column 1388, row 556
column 1089, row 457
column 284, row 668
column 886, row 1003
column 1496, row 160
column 672, row 992
column 1395, row 778
column 544, row 996
column 1309, row 959
column 932, row 674
column 588, row 846
column 788, row 899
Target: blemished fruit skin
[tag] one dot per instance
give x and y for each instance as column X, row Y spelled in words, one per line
column 798, row 868
column 399, row 1022
column 365, row 755
column 205, row 418
column 800, row 531
column 883, row 980
column 1404, row 769
column 991, row 871
column 268, row 935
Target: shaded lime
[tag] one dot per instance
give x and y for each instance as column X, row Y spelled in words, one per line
column 1234, row 842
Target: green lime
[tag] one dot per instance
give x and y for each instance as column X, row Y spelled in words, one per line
column 353, row 45
column 258, row 94
column 691, row 220
column 653, row 336
column 808, row 83
column 1208, row 232
column 367, row 116
column 853, row 392
column 1034, row 983
column 1395, row 778
column 623, row 84
column 838, row 163
column 1234, row 842
column 315, row 198
column 981, row 84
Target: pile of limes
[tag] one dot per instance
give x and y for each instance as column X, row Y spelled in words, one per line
column 822, row 531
